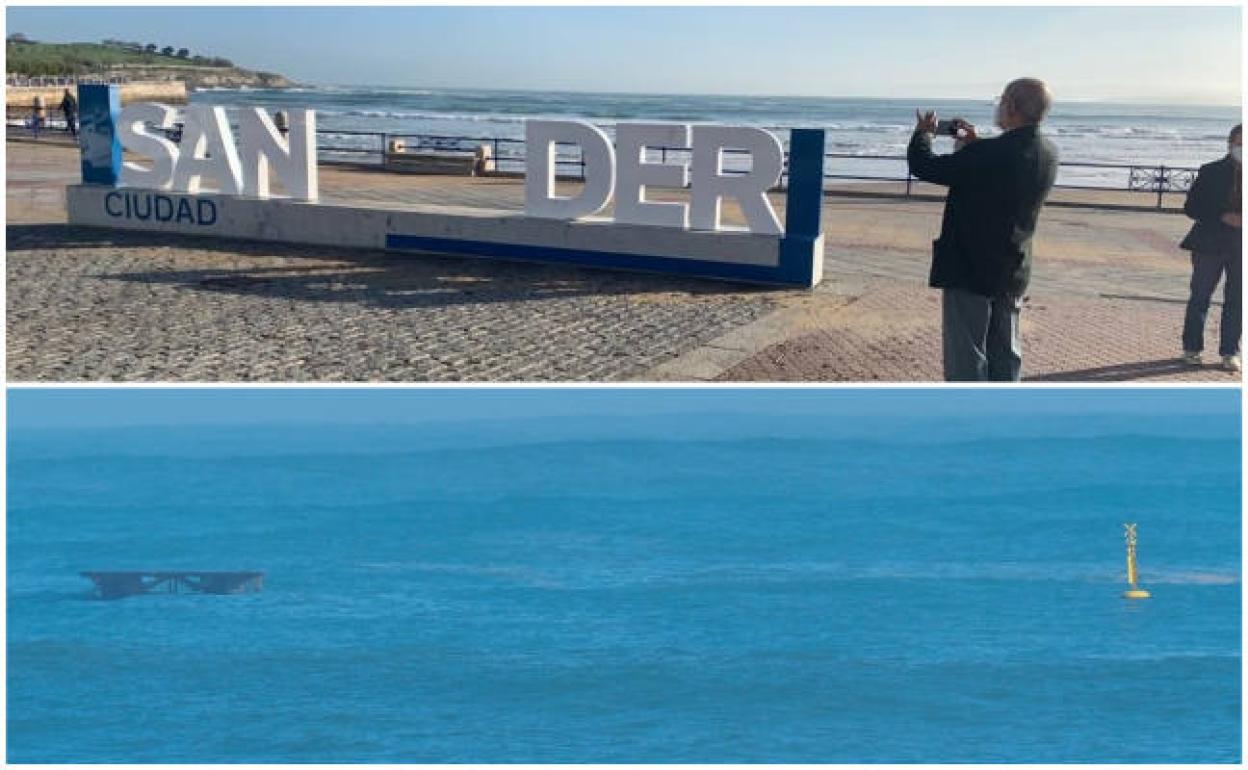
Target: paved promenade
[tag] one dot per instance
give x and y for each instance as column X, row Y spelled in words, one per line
column 84, row 304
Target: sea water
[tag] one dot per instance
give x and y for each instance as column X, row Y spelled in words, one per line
column 1084, row 132
column 672, row 589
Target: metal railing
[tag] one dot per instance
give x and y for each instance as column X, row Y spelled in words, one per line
column 49, row 81
column 508, row 157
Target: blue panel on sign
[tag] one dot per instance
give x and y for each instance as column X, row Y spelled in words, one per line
column 803, row 208
column 98, row 109
column 804, row 204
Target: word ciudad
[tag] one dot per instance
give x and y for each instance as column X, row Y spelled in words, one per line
column 145, row 206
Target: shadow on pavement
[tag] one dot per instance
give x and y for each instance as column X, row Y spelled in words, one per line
column 381, row 278
column 1138, row 370
column 1170, row 300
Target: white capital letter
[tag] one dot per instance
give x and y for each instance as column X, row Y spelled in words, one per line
column 539, row 169
column 292, row 160
column 132, row 130
column 209, row 151
column 635, row 175
column 710, row 185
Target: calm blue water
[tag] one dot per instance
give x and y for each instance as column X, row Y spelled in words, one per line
column 1174, row 135
column 474, row 592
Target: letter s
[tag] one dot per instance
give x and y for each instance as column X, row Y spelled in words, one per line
column 132, row 129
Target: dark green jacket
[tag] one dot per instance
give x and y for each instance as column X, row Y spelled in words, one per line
column 996, row 187
column 1211, row 196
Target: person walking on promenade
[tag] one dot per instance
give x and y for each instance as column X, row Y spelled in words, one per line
column 39, row 115
column 69, row 106
column 982, row 260
column 1216, row 203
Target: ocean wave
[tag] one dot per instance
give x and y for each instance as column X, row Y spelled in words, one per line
column 1191, row 578
column 512, row 574
column 1047, row 572
column 798, row 572
column 1184, row 139
column 889, row 127
column 423, row 115
column 1125, row 656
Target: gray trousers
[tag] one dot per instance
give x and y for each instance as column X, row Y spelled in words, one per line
column 1207, row 270
column 980, row 337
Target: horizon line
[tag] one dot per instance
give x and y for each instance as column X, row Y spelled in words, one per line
column 916, row 99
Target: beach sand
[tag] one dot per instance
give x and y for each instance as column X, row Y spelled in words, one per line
column 1106, row 302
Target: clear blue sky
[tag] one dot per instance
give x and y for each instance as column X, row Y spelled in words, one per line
column 1143, row 54
column 113, row 407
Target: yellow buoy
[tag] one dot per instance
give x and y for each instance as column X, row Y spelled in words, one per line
column 1135, row 592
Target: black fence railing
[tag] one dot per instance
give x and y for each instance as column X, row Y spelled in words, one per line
column 40, row 81
column 507, row 157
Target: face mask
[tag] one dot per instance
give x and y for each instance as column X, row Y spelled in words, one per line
column 1237, row 153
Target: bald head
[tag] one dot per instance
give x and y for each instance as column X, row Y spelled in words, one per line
column 1025, row 102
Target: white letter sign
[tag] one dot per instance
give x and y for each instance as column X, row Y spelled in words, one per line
column 635, row 175
column 132, row 131
column 292, row 160
column 539, row 178
column 209, row 151
column 711, row 185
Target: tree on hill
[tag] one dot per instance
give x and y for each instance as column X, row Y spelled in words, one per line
column 150, row 48
column 183, row 53
column 167, row 50
column 17, row 37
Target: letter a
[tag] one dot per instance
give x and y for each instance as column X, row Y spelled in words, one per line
column 209, row 151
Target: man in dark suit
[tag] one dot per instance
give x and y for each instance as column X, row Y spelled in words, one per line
column 982, row 259
column 1215, row 202
column 69, row 106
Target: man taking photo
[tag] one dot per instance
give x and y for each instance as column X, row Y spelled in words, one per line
column 1216, row 203
column 982, row 259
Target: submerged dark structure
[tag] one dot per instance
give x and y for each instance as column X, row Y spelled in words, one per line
column 117, row 585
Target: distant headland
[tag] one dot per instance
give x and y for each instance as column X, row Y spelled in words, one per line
column 132, row 61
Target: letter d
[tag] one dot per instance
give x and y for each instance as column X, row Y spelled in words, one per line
column 540, row 200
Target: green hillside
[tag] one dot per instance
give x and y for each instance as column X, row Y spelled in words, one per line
column 24, row 57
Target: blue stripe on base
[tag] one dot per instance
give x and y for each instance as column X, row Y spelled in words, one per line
column 609, row 259
column 797, row 261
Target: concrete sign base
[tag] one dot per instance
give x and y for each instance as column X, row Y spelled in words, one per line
column 739, row 256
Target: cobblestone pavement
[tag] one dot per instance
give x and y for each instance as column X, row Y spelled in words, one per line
column 891, row 332
column 99, row 305
column 93, row 305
